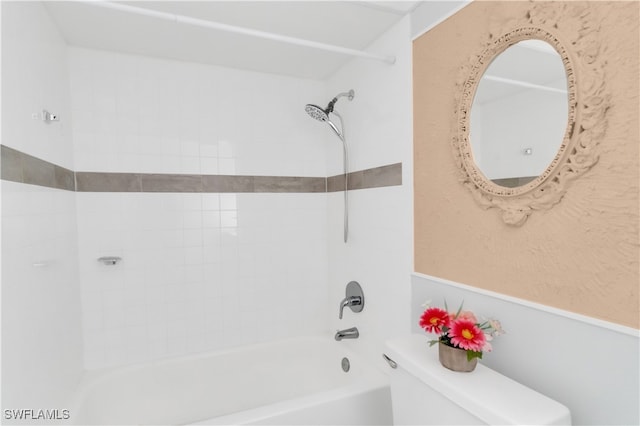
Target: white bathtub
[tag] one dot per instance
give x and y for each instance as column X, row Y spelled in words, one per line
column 295, row 381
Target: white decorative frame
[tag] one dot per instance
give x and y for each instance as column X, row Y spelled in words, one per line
column 588, row 103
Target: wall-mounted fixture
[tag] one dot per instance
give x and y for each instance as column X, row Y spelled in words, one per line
column 354, row 298
column 48, row 117
column 321, row 114
column 349, row 333
column 571, row 145
column 109, row 260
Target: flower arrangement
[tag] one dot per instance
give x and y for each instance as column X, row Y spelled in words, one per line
column 460, row 329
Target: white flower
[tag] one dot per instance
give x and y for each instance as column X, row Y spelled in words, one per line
column 497, row 327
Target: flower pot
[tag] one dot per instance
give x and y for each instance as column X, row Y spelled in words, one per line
column 455, row 358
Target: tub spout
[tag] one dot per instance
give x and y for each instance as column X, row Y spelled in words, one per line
column 349, row 333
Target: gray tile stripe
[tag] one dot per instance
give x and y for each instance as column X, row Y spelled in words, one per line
column 136, row 182
column 377, row 177
column 23, row 168
column 108, row 182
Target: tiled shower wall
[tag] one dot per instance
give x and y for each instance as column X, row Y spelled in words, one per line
column 137, row 114
column 41, row 336
column 379, row 252
column 221, row 244
column 200, row 271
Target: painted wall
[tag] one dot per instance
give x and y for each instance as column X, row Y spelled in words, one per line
column 378, row 254
column 582, row 255
column 200, row 271
column 41, row 334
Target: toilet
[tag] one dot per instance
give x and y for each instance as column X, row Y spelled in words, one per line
column 423, row 392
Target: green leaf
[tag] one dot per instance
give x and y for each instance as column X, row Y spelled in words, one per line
column 472, row 354
column 433, row 342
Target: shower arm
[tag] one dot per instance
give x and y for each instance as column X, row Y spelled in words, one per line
column 350, row 94
column 345, row 165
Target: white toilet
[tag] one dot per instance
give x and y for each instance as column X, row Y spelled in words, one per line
column 424, row 392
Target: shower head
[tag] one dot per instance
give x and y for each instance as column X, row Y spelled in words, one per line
column 316, row 112
column 321, row 114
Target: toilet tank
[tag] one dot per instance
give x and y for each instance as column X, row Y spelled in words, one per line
column 424, row 392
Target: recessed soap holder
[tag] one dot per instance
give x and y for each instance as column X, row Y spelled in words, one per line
column 109, row 260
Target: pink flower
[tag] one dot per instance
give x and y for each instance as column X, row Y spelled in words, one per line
column 433, row 319
column 465, row 334
column 467, row 315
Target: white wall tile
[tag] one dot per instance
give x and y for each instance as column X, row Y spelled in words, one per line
column 40, row 286
column 243, row 254
column 35, row 77
column 191, row 284
column 379, row 252
column 40, row 296
column 169, row 117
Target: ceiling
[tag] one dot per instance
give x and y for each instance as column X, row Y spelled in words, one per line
column 350, row 24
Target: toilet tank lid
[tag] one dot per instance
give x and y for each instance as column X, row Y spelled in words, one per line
column 487, row 394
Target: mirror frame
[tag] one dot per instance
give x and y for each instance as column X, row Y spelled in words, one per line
column 586, row 124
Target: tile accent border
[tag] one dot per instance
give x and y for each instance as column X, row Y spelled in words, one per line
column 23, row 168
column 377, row 177
column 140, row 182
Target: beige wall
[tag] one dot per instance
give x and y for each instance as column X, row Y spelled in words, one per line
column 582, row 255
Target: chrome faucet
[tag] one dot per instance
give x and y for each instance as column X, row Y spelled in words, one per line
column 354, row 298
column 349, row 333
column 350, row 301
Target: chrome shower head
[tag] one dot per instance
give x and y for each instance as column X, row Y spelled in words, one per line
column 316, row 112
column 321, row 114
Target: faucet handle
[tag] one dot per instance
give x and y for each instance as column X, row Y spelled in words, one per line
column 354, row 298
column 349, row 301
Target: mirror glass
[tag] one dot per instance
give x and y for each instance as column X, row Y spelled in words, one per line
column 519, row 114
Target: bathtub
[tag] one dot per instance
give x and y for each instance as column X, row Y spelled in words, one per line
column 293, row 381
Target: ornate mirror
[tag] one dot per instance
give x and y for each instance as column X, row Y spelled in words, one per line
column 525, row 123
column 519, row 114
